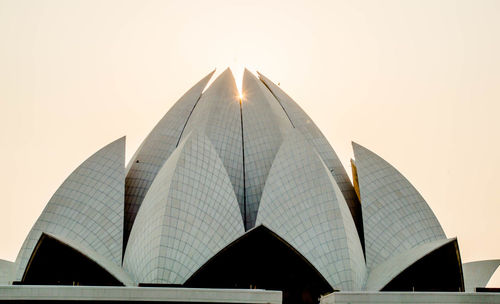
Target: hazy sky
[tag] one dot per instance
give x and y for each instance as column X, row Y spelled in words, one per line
column 417, row 82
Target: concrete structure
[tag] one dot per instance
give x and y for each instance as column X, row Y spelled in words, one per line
column 69, row 294
column 185, row 218
column 410, row 298
column 302, row 203
column 86, row 212
column 218, row 116
column 155, row 150
column 395, row 216
column 230, row 192
column 265, row 125
column 303, row 123
column 477, row 274
column 385, row 272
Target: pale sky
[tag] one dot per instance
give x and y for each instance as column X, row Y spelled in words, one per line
column 417, row 82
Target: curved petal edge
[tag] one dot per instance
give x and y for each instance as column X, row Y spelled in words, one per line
column 385, row 272
column 395, row 216
column 87, row 208
column 156, row 149
column 302, row 203
column 189, row 214
column 479, row 273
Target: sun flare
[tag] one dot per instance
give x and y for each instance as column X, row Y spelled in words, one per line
column 238, row 78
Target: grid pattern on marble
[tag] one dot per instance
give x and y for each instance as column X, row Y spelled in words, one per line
column 143, row 246
column 313, row 135
column 395, row 216
column 300, row 204
column 218, row 116
column 155, row 150
column 263, row 128
column 385, row 272
column 6, row 271
column 189, row 214
column 356, row 254
column 87, row 208
column 478, row 274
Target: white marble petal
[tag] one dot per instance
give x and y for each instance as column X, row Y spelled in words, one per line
column 302, row 122
column 264, row 125
column 395, row 216
column 478, row 273
column 218, row 116
column 87, row 208
column 189, row 214
column 383, row 274
column 156, row 149
column 302, row 204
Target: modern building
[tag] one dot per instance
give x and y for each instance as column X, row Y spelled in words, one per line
column 230, row 193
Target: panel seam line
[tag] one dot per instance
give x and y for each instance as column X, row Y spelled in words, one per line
column 187, row 119
column 275, row 97
column 244, row 184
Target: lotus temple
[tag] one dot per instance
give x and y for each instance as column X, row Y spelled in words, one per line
column 235, row 199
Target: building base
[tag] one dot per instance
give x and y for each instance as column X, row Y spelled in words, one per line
column 92, row 294
column 410, row 297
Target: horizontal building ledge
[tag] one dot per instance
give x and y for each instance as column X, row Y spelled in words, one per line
column 136, row 294
column 410, row 297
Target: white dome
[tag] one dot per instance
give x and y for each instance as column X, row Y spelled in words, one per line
column 217, row 180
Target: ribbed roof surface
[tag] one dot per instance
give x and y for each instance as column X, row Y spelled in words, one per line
column 245, row 133
column 479, row 273
column 216, row 166
column 396, row 218
column 155, row 150
column 302, row 204
column 302, row 122
column 189, row 214
column 264, row 126
column 391, row 268
column 87, row 208
column 218, row 116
